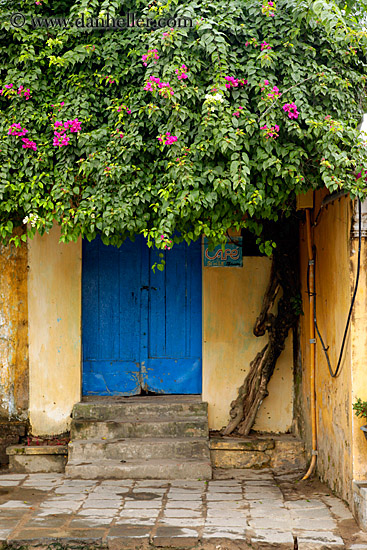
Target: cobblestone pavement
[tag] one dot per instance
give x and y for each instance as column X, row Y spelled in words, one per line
column 254, row 510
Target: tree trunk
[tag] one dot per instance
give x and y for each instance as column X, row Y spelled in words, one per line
column 283, row 276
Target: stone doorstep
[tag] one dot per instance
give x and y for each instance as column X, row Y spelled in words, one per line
column 282, row 451
column 37, row 459
column 360, row 487
column 37, row 450
column 360, row 502
column 243, row 444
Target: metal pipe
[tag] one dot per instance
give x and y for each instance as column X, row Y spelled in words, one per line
column 312, row 345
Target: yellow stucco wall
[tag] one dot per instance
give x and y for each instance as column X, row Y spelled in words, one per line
column 333, row 290
column 232, row 299
column 359, row 359
column 54, row 305
column 13, row 332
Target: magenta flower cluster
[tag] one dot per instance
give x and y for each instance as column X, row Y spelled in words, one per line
column 153, row 83
column 275, row 92
column 291, row 109
column 7, row 86
column 167, row 34
column 268, row 8
column 181, row 74
column 61, row 138
column 265, row 46
column 149, row 55
column 234, row 82
column 237, row 113
column 25, row 92
column 17, row 130
column 272, row 132
column 166, row 240
column 28, row 144
column 124, row 107
column 167, row 139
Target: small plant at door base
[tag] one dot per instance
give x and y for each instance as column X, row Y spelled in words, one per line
column 360, row 408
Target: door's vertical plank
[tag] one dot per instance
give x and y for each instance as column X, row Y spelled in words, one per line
column 157, row 307
column 129, row 269
column 194, row 291
column 109, row 306
column 144, row 310
column 176, row 328
column 90, row 302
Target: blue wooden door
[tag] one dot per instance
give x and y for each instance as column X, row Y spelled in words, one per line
column 141, row 330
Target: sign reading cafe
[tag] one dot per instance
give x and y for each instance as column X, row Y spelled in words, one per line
column 229, row 255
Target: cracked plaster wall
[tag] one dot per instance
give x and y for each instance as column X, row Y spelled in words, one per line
column 13, row 333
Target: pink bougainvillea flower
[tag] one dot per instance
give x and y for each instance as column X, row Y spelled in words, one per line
column 154, row 83
column 61, row 138
column 272, row 132
column 291, row 109
column 265, row 46
column 17, row 130
column 28, row 144
column 234, row 82
column 275, row 92
column 181, row 72
column 151, row 54
column 167, row 138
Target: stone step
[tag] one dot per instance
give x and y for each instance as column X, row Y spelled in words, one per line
column 135, row 449
column 159, row 406
column 140, row 427
column 139, row 469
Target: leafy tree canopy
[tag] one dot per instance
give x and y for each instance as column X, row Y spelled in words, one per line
column 192, row 118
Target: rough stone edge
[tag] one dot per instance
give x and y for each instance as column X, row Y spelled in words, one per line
column 36, row 450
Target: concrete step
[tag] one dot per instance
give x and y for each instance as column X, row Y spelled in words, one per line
column 135, row 449
column 140, row 427
column 139, row 469
column 157, row 406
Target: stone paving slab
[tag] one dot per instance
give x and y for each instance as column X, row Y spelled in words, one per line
column 255, row 510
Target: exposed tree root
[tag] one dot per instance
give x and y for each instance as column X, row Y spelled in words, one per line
column 283, row 276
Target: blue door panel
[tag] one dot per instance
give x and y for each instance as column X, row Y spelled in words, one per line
column 175, row 375
column 141, row 330
column 111, row 378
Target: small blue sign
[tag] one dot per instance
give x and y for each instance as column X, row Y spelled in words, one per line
column 228, row 256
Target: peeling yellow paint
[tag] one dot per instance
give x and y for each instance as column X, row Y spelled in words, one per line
column 333, row 294
column 359, row 360
column 13, row 332
column 54, row 303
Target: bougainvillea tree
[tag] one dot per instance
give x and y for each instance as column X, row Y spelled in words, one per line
column 188, row 118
